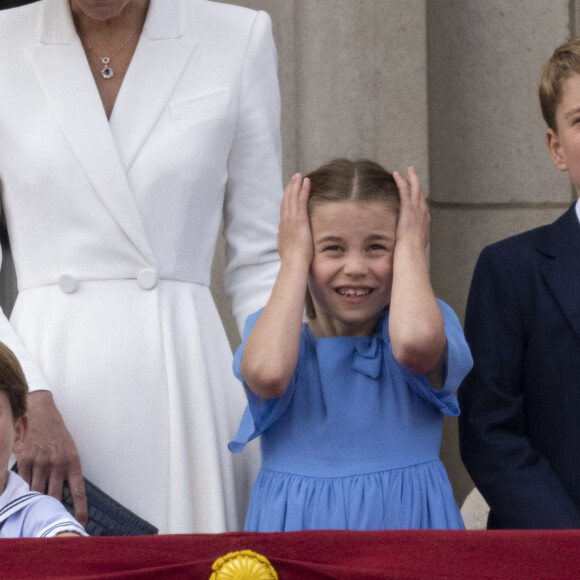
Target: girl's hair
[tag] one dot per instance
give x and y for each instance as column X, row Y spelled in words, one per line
column 13, row 382
column 346, row 180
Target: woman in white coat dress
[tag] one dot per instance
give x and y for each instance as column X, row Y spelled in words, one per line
column 114, row 177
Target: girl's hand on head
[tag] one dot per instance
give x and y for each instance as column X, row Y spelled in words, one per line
column 271, row 351
column 294, row 233
column 414, row 217
column 416, row 325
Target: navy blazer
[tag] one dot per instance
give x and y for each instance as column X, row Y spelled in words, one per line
column 520, row 422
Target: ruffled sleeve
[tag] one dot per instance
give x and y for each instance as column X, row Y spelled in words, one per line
column 456, row 367
column 259, row 413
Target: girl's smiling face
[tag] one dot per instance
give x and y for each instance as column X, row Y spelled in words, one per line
column 351, row 275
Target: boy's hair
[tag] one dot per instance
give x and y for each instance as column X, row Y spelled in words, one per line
column 13, row 382
column 562, row 64
column 346, row 180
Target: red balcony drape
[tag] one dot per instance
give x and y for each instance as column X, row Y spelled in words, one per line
column 309, row 555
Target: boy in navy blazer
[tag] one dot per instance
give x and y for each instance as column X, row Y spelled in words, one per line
column 520, row 422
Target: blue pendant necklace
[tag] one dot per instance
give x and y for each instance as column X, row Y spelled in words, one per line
column 107, row 71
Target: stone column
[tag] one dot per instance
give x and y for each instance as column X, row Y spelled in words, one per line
column 491, row 174
column 353, row 80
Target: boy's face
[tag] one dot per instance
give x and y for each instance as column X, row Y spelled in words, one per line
column 564, row 145
column 12, row 433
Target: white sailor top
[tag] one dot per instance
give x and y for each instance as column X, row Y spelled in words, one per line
column 29, row 514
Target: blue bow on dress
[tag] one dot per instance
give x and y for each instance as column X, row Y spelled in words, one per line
column 368, row 356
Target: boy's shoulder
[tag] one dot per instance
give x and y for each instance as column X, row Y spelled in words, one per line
column 16, row 493
column 549, row 239
column 25, row 513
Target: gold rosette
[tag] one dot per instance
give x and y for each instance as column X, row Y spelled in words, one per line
column 244, row 565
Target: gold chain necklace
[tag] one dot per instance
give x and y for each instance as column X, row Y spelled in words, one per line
column 107, row 72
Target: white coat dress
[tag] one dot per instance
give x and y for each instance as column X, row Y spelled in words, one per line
column 113, row 226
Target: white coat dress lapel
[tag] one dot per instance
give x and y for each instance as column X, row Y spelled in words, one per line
column 157, row 65
column 61, row 67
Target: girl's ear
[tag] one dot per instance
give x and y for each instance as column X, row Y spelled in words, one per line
column 20, row 430
column 555, row 148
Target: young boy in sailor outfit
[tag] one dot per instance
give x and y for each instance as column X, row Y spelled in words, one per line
column 23, row 514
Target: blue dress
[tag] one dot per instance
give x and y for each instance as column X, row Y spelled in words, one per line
column 354, row 442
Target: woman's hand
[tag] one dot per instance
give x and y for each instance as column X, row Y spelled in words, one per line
column 49, row 456
column 294, row 233
column 414, row 218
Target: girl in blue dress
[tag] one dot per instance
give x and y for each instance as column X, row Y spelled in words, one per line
column 349, row 406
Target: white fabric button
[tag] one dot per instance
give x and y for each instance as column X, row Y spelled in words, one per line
column 147, row 279
column 67, row 283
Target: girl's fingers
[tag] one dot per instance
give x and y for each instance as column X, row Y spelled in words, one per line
column 299, row 191
column 414, row 215
column 293, row 187
column 402, row 185
column 412, row 179
column 400, row 181
column 303, row 197
column 294, row 206
column 409, row 187
column 414, row 183
column 294, row 234
column 291, row 193
column 305, row 189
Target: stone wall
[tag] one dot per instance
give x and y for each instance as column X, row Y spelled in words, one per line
column 448, row 86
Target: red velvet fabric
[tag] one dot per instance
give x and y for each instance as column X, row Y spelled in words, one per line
column 310, row 555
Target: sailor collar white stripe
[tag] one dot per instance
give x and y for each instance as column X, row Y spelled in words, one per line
column 60, row 528
column 13, row 499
